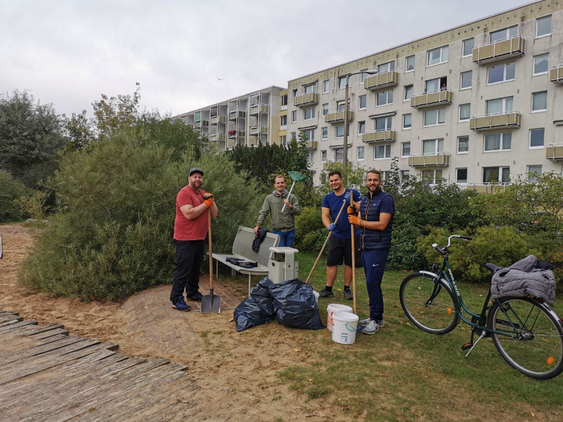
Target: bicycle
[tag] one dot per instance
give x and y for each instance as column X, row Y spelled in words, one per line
column 527, row 333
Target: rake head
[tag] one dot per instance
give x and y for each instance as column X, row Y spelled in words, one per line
column 296, row 176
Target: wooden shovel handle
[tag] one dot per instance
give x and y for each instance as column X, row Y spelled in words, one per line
column 210, row 249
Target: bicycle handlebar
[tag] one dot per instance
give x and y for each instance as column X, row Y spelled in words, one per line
column 446, row 248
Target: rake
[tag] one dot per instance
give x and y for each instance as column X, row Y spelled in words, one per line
column 296, row 177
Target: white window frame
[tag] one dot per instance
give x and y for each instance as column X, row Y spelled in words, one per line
column 325, row 109
column 403, row 121
column 283, row 121
column 388, row 123
column 293, row 116
column 504, row 109
column 408, row 88
column 403, row 145
column 542, row 146
column 361, row 125
column 500, row 172
column 363, row 76
column 404, row 174
column 506, row 34
column 407, row 63
column 435, row 176
column 342, row 81
column 324, row 133
column 463, row 47
column 386, row 67
column 534, row 65
column 550, row 27
column 539, row 110
column 533, row 174
column 461, row 87
column 438, row 146
column 442, row 60
column 439, row 111
column 310, row 88
column 501, row 144
column 309, row 111
column 459, row 152
column 336, row 130
column 360, row 102
column 457, row 175
column 309, row 134
column 386, row 152
column 388, row 93
column 504, row 66
column 311, row 157
column 469, row 115
column 362, row 158
column 326, row 86
column 323, row 156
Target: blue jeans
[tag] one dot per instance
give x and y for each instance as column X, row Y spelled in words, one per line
column 286, row 238
column 374, row 261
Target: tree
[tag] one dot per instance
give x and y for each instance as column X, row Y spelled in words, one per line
column 31, row 134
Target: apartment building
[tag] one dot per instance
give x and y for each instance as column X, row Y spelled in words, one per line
column 480, row 103
column 249, row 120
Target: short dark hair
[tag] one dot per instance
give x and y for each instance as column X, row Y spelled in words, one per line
column 333, row 172
column 374, row 172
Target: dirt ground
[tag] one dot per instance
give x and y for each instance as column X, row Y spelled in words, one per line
column 237, row 373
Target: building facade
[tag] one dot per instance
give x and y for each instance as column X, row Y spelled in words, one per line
column 249, row 120
column 477, row 104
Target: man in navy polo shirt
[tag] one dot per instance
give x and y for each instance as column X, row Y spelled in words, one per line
column 340, row 243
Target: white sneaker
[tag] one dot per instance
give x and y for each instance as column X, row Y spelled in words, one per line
column 372, row 327
column 365, row 322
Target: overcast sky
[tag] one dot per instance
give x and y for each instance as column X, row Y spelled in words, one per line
column 190, row 54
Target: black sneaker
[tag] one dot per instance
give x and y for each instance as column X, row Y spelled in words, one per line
column 324, row 293
column 348, row 294
column 196, row 297
column 181, row 304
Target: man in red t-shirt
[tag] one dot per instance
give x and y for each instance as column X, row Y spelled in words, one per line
column 190, row 229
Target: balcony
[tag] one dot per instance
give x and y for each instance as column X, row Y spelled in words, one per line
column 430, row 99
column 380, row 81
column 556, row 75
column 440, row 159
column 259, row 109
column 338, row 117
column 217, row 137
column 311, row 145
column 304, row 100
column 233, row 134
column 554, row 152
column 202, row 124
column 215, row 120
column 499, row 50
column 509, row 120
column 379, row 136
column 233, row 115
column 258, row 130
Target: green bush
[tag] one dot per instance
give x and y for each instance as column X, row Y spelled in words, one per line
column 113, row 234
column 10, row 191
column 310, row 232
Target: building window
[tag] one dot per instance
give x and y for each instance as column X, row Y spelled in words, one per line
column 435, row 117
column 325, row 109
column 360, row 153
column 500, row 105
column 342, row 82
column 409, row 64
column 308, row 135
column 308, row 113
column 501, row 73
column 284, row 100
column 294, row 116
column 363, row 76
column 461, row 175
column 435, row 85
column 543, row 26
column 310, row 89
column 386, row 67
column 323, row 156
column 340, row 105
column 384, row 98
column 431, row 177
column 338, row 154
column 437, row 56
column 534, row 173
column 408, row 92
column 541, row 64
column 382, row 151
column 283, row 140
column 310, row 157
column 361, row 128
column 293, row 136
column 294, row 93
column 340, row 131
column 539, row 101
column 363, row 101
column 537, row 138
column 466, row 79
column 498, row 142
column 467, row 47
column 496, row 174
column 464, row 112
column 407, row 118
column 326, row 86
column 405, row 149
column 432, row 146
column 503, row 34
column 324, row 131
column 404, row 174
column 383, row 123
column 463, row 144
column 283, row 121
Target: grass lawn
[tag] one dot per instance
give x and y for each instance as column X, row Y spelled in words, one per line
column 403, row 373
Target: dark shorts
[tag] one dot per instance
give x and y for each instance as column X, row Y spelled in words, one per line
column 340, row 250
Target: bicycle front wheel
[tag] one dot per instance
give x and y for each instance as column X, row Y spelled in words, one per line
column 429, row 303
column 528, row 335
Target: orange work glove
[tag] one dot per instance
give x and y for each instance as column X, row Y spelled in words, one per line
column 352, row 210
column 354, row 220
column 208, row 199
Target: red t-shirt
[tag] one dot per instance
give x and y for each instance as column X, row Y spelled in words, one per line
column 185, row 229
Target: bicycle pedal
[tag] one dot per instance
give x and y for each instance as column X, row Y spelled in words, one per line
column 467, row 346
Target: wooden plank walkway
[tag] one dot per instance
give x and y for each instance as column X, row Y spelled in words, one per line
column 47, row 375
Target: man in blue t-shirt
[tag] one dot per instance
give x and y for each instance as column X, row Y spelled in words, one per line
column 375, row 222
column 340, row 243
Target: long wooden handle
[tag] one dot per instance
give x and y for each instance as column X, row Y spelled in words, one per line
column 210, row 250
column 353, row 267
column 324, row 245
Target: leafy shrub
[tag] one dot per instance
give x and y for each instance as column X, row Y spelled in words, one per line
column 310, row 230
column 10, row 191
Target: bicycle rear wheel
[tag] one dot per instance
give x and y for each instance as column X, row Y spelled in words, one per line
column 528, row 335
column 429, row 303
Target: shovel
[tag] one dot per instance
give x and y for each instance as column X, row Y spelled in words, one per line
column 210, row 303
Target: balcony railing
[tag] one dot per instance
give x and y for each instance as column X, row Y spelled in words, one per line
column 311, row 98
column 379, row 136
column 382, row 80
column 311, row 145
column 556, row 75
column 240, row 114
column 429, row 99
column 257, row 130
column 338, row 117
column 440, row 159
column 554, row 152
column 217, row 137
column 218, row 119
column 499, row 50
column 259, row 108
column 508, row 120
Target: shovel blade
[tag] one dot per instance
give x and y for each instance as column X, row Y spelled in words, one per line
column 211, row 304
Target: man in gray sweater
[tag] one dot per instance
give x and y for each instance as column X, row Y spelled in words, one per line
column 283, row 224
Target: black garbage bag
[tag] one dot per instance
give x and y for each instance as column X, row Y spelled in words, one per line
column 295, row 305
column 257, row 309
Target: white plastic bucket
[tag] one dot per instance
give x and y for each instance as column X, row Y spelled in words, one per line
column 344, row 327
column 333, row 309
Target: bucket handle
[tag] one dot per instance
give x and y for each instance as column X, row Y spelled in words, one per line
column 349, row 329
